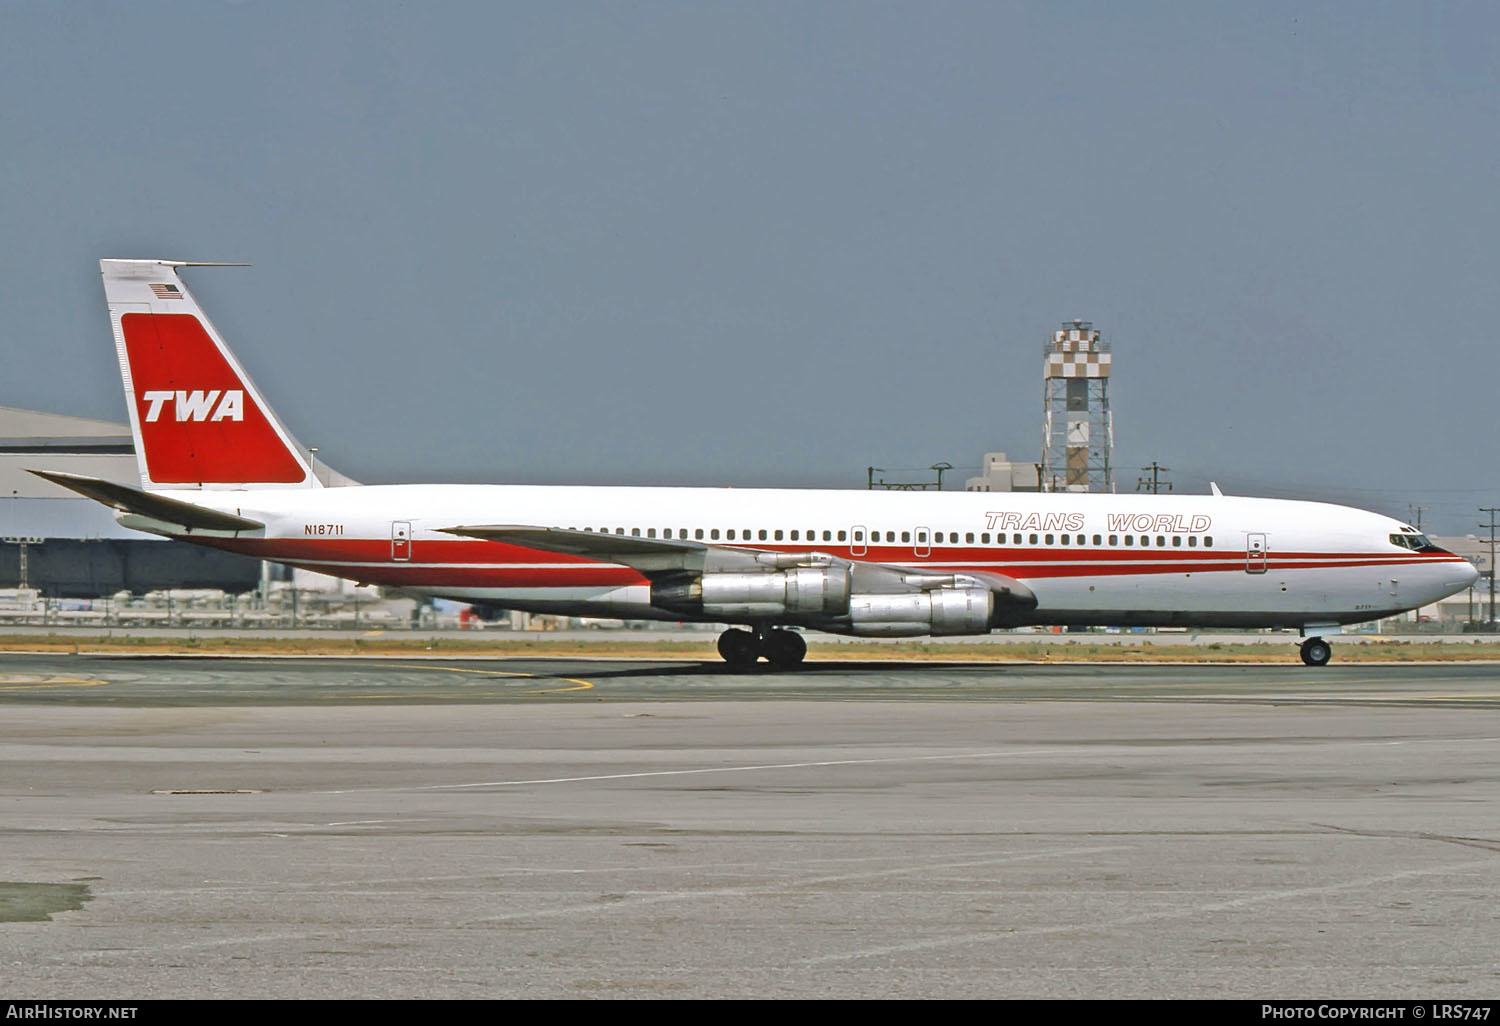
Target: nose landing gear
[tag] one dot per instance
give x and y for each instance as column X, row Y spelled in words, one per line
column 1316, row 652
column 741, row 649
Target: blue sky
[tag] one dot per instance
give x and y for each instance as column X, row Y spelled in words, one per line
column 773, row 243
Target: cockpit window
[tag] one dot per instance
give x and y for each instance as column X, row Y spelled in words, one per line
column 1415, row 542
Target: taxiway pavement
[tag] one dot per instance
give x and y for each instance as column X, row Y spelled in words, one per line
column 535, row 828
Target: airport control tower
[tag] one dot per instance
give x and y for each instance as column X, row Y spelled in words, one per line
column 1078, row 437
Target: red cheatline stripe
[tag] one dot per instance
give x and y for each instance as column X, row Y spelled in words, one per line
column 361, row 550
column 599, row 575
column 474, row 563
column 522, row 575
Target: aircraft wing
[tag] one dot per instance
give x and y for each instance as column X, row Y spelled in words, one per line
column 671, row 557
column 648, row 555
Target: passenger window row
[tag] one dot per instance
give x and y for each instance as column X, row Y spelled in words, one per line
column 725, row 534
column 937, row 537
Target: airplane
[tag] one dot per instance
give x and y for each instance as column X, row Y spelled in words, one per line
column 219, row 468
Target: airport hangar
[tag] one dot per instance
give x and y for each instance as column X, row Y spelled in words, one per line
column 64, row 546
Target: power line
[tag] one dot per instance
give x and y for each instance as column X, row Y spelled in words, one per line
column 1155, row 485
column 1326, row 486
column 906, row 486
column 1491, row 510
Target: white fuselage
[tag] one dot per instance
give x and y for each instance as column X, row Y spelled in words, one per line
column 1088, row 558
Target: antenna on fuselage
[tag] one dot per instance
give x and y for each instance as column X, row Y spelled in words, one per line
column 1213, row 486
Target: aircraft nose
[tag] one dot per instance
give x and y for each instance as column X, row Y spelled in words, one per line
column 1458, row 576
column 1449, row 578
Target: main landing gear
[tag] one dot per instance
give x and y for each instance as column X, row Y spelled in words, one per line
column 1316, row 652
column 741, row 648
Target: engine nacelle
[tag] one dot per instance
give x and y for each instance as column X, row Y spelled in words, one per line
column 939, row 611
column 799, row 591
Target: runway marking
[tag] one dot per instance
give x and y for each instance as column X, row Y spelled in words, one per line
column 1148, row 917
column 486, row 880
column 263, row 938
column 753, row 767
column 34, row 681
column 1357, row 697
column 695, row 770
column 593, row 907
column 579, row 685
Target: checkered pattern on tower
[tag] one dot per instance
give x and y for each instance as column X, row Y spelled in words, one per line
column 1077, row 353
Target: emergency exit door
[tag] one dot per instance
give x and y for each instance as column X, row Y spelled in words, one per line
column 857, row 545
column 1255, row 553
column 401, row 540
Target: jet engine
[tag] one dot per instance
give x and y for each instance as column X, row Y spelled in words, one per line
column 804, row 591
column 936, row 611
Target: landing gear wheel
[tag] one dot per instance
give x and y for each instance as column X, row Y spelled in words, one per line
column 785, row 649
column 740, row 649
column 1316, row 652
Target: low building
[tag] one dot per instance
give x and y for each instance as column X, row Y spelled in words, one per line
column 65, row 546
column 999, row 474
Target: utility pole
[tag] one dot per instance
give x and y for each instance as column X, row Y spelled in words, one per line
column 905, row 486
column 1416, row 515
column 1491, row 510
column 24, row 579
column 1156, row 484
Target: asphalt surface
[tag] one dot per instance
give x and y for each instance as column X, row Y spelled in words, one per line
column 225, row 827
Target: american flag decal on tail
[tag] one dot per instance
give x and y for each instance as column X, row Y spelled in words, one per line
column 166, row 291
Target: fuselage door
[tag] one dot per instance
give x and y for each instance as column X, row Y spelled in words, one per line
column 401, row 540
column 1256, row 551
column 923, row 544
column 857, row 540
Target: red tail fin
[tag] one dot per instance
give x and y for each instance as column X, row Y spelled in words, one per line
column 199, row 420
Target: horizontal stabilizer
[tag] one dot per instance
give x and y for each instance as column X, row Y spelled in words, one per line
column 146, row 504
